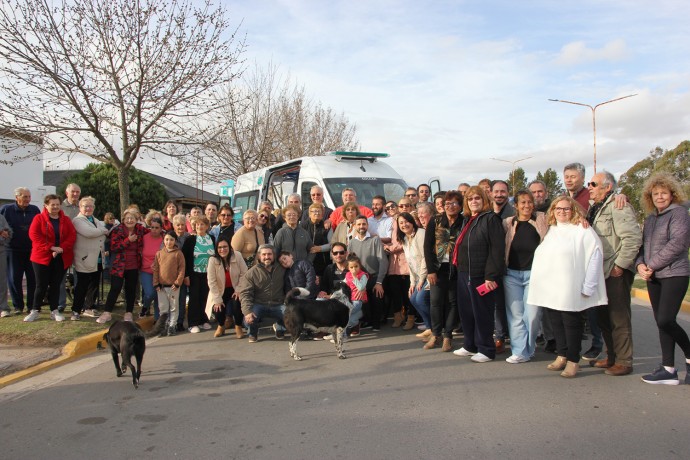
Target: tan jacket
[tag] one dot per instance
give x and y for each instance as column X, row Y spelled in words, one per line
column 620, row 236
column 216, row 278
column 168, row 268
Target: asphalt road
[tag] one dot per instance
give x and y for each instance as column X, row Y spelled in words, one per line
column 209, row 398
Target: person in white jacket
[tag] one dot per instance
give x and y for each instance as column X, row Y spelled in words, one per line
column 88, row 250
column 567, row 278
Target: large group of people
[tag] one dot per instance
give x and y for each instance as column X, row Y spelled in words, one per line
column 473, row 265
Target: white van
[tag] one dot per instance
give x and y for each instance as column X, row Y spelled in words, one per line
column 334, row 171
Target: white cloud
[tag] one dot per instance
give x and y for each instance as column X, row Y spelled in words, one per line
column 577, row 53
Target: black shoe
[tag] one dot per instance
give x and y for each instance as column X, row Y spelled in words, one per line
column 180, row 327
column 592, row 354
column 687, row 373
column 540, row 340
column 550, row 346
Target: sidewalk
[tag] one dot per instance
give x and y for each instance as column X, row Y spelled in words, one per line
column 20, row 362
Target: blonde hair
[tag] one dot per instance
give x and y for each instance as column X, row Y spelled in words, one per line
column 476, row 190
column 575, row 218
column 662, row 180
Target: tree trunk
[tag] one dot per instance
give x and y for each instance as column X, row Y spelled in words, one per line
column 123, row 185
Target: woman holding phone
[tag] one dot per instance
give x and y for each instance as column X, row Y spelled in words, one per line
column 480, row 259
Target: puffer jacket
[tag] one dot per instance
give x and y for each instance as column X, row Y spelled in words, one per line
column 665, row 242
column 301, row 274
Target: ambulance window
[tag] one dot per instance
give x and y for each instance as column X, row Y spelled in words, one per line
column 305, row 193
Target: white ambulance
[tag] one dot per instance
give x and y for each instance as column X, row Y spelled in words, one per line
column 334, row 171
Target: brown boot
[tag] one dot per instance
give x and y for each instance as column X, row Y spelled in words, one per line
column 558, row 364
column 397, row 319
column 239, row 332
column 447, row 345
column 571, row 369
column 409, row 324
column 220, row 332
column 432, row 343
column 601, row 363
column 424, row 335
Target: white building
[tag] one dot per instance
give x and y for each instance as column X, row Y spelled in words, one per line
column 21, row 165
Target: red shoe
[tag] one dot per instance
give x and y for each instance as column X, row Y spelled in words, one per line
column 500, row 346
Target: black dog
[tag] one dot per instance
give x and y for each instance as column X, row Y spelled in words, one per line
column 330, row 315
column 126, row 338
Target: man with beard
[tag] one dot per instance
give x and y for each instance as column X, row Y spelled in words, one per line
column 540, row 194
column 499, row 196
column 380, row 224
column 261, row 293
column 370, row 251
column 424, row 192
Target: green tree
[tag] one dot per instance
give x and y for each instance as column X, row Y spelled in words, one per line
column 554, row 186
column 517, row 179
column 99, row 180
column 675, row 161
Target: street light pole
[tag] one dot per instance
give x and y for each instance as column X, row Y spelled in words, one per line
column 512, row 171
column 594, row 120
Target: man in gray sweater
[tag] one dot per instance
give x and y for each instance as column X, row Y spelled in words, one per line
column 374, row 260
column 261, row 293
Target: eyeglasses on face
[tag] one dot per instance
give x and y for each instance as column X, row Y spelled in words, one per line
column 337, row 253
column 450, row 204
column 261, row 216
column 223, row 248
column 563, row 209
column 225, row 215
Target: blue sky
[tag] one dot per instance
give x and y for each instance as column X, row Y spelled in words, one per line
column 444, row 86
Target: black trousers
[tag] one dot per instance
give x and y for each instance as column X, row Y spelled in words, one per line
column 129, row 280
column 198, row 294
column 567, row 330
column 374, row 310
column 232, row 307
column 443, row 299
column 477, row 315
column 666, row 296
column 48, row 279
column 86, row 283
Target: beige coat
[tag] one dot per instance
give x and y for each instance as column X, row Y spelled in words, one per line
column 216, row 278
column 89, row 244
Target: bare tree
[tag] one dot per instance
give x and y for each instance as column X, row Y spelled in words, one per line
column 269, row 119
column 111, row 79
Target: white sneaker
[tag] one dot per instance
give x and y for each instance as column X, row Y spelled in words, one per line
column 480, row 358
column 422, row 327
column 5, row 314
column 90, row 313
column 57, row 316
column 128, row 317
column 206, row 326
column 32, row 316
column 463, row 352
column 104, row 318
column 516, row 359
column 75, row 317
column 194, row 329
column 329, row 337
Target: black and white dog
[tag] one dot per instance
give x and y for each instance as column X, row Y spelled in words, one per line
column 127, row 339
column 329, row 315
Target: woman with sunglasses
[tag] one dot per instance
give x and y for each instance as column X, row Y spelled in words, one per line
column 248, row 238
column 439, row 243
column 391, row 209
column 263, row 224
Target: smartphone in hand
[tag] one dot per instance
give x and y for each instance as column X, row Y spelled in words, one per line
column 482, row 289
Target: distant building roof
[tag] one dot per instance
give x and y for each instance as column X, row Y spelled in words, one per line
column 174, row 190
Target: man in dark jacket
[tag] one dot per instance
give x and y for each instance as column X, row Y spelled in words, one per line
column 19, row 216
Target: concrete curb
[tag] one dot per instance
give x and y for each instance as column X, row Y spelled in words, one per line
column 74, row 349
column 642, row 294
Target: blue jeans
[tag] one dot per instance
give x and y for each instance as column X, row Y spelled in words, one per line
column 355, row 314
column 150, row 295
column 523, row 318
column 421, row 301
column 265, row 311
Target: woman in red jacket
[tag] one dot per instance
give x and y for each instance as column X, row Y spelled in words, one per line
column 52, row 239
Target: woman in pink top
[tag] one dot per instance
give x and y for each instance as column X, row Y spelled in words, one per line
column 153, row 242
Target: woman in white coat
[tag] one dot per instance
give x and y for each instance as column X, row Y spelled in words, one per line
column 225, row 269
column 88, row 250
column 567, row 278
